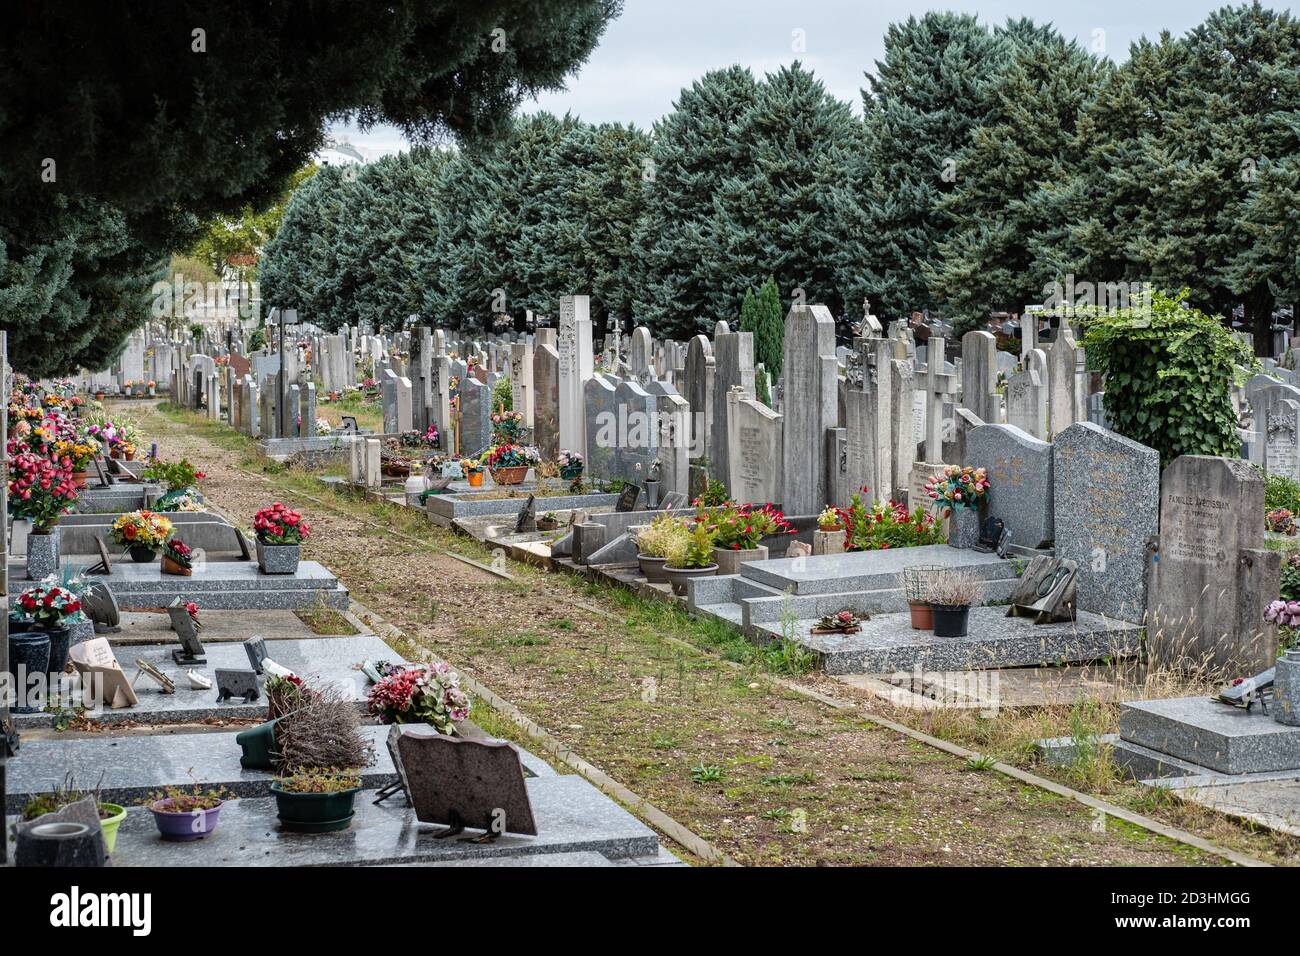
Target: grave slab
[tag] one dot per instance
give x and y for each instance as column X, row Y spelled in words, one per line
column 135, row 766
column 1270, row 803
column 887, row 643
column 319, row 660
column 1201, row 731
column 866, row 570
column 224, row 585
column 150, row 627
column 572, row 817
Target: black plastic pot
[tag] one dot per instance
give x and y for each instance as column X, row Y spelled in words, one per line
column 60, row 638
column 29, row 653
column 951, row 620
column 142, row 555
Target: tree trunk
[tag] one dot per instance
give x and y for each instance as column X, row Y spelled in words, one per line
column 1259, row 317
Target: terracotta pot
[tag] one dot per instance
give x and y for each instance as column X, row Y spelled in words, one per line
column 510, row 476
column 475, row 479
column 922, row 615
column 130, row 456
column 171, row 567
column 79, row 479
column 114, row 453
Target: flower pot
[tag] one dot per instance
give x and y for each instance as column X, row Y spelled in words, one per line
column 18, row 623
column 653, row 568
column 140, row 554
column 729, row 560
column 194, row 825
column 29, row 653
column 110, row 824
column 258, row 744
column 314, row 812
column 475, row 479
column 99, row 396
column 544, row 524
column 278, row 558
column 510, row 476
column 42, row 554
column 60, row 638
column 922, row 615
column 79, row 479
column 678, row 577
column 115, row 454
column 130, row 456
column 951, row 620
column 171, row 567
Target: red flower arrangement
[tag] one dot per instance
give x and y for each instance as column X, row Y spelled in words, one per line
column 49, row 605
column 280, row 525
column 743, row 527
column 40, row 490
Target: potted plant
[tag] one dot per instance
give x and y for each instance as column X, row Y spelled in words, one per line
column 177, row 558
column 571, row 465
column 111, row 815
column 916, row 587
column 655, row 542
column 548, row 522
column 280, row 532
column 420, row 694
column 951, row 593
column 50, row 606
column 143, row 533
column 737, row 531
column 691, row 558
column 186, row 813
column 959, row 493
column 40, row 491
column 316, row 801
column 75, row 454
column 472, row 468
column 509, row 464
column 841, row 622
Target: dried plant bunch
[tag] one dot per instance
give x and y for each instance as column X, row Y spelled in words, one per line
column 953, row 588
column 323, row 734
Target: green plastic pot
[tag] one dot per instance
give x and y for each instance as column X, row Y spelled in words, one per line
column 110, row 824
column 258, row 744
column 314, row 812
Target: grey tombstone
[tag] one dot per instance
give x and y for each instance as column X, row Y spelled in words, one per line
column 1067, row 382
column 1282, row 437
column 902, row 428
column 1019, row 469
column 307, row 399
column 601, row 417
column 475, row 416
column 979, row 375
column 576, row 368
column 639, row 353
column 1105, row 512
column 1212, row 578
column 810, row 407
column 1027, row 401
column 255, row 648
column 754, row 435
column 638, row 431
column 236, row 682
column 546, row 401
column 868, row 413
column 388, row 397
column 733, row 367
column 522, row 398
column 699, row 392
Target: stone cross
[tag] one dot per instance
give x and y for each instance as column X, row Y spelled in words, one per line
column 940, row 387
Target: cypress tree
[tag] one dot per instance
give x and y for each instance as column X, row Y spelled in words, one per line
column 769, row 342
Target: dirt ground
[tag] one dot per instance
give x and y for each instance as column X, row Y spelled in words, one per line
column 766, row 776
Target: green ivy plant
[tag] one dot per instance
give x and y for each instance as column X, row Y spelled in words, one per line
column 1169, row 373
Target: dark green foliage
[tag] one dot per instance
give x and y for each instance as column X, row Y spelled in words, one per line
column 761, row 390
column 987, row 260
column 1281, row 492
column 926, row 98
column 762, row 316
column 1169, row 373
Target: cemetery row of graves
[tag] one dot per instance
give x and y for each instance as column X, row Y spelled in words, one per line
column 946, row 531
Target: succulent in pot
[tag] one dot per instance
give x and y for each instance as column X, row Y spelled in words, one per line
column 691, row 558
column 280, row 531
column 187, row 813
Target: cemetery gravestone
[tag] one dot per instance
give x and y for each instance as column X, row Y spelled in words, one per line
column 1281, row 438
column 1211, row 576
column 809, row 408
column 466, row 783
column 1019, row 470
column 1105, row 512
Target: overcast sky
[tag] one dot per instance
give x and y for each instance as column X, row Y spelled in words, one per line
column 657, row 47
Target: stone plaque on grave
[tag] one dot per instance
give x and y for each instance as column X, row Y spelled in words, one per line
column 1019, row 469
column 255, row 648
column 1106, row 509
column 1282, row 435
column 628, row 497
column 466, row 783
column 1211, row 576
column 528, row 516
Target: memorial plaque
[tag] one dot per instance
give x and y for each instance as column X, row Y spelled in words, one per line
column 255, row 648
column 466, row 783
column 527, row 520
column 628, row 499
column 237, row 683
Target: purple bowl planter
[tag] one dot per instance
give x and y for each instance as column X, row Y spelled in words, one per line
column 194, row 825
